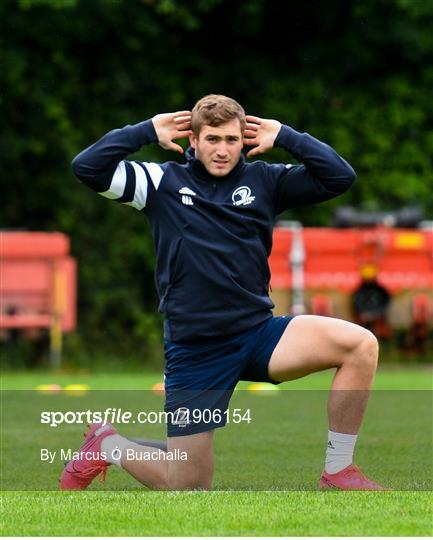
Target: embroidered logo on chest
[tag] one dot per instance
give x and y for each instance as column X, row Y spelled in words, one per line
column 242, row 196
column 187, row 195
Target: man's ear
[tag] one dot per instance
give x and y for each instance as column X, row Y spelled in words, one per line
column 193, row 140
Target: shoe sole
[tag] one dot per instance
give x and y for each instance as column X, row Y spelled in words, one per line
column 325, row 484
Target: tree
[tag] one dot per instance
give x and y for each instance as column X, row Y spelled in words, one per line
column 357, row 75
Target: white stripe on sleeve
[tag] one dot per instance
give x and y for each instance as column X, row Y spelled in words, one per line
column 155, row 173
column 140, row 195
column 118, row 182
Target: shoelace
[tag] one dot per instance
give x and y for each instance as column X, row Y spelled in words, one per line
column 358, row 475
column 354, row 472
column 91, row 472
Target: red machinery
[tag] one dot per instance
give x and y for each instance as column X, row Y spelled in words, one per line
column 37, row 287
column 380, row 277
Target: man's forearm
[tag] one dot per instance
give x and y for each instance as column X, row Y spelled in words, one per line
column 321, row 160
column 96, row 164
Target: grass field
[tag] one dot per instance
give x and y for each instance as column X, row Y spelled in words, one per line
column 266, row 474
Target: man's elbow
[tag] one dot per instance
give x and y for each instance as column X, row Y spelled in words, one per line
column 348, row 177
column 89, row 174
column 79, row 167
column 351, row 176
column 76, row 165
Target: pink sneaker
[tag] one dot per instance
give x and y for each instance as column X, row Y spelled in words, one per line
column 350, row 478
column 79, row 473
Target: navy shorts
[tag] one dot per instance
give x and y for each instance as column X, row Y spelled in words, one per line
column 200, row 376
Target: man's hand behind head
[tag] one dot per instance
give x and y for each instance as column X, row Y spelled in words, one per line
column 170, row 127
column 261, row 134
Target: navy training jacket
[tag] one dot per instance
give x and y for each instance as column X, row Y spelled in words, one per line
column 212, row 235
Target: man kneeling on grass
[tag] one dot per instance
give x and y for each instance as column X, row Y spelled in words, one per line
column 212, row 220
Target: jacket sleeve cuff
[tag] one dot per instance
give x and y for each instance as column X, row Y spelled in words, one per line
column 143, row 133
column 287, row 138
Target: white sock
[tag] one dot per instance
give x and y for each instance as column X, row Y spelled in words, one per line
column 113, row 446
column 339, row 451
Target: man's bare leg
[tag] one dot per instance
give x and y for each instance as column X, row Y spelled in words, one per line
column 311, row 343
column 195, row 472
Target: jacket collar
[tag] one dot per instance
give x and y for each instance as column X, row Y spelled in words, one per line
column 199, row 170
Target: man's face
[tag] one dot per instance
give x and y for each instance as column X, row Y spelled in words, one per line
column 218, row 148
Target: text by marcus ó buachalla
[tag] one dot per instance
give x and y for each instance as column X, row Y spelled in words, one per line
column 128, row 454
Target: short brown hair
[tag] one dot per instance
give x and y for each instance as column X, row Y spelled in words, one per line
column 214, row 110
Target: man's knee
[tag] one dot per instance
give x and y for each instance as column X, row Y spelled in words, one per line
column 196, row 472
column 366, row 351
column 186, row 485
column 189, row 482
